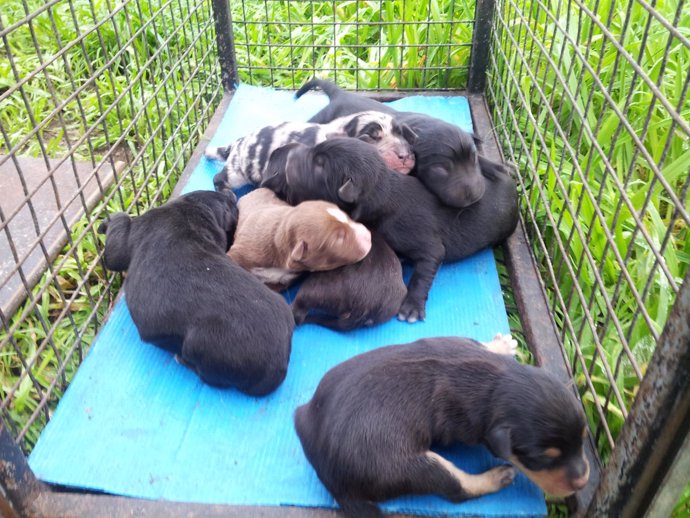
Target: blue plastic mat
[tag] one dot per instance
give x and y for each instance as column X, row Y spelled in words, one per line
column 134, row 422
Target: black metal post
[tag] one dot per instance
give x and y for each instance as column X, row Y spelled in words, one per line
column 481, row 41
column 657, row 426
column 16, row 478
column 226, row 45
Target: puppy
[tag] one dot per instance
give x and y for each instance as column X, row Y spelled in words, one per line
column 362, row 294
column 276, row 242
column 187, row 297
column 447, row 161
column 413, row 221
column 369, row 428
column 245, row 159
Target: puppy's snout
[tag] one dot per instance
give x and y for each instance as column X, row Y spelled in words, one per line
column 580, row 482
column 582, row 476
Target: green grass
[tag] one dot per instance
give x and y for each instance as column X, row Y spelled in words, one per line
column 408, row 54
column 563, row 187
column 321, row 38
column 151, row 128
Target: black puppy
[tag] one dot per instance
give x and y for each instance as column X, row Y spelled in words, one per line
column 413, row 221
column 369, row 427
column 362, row 294
column 448, row 163
column 187, row 297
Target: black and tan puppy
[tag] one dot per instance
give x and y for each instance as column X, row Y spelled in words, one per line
column 370, row 426
column 356, row 295
column 413, row 221
column 187, row 297
column 447, row 160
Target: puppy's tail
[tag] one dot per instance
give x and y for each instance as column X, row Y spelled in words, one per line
column 218, row 153
column 325, row 86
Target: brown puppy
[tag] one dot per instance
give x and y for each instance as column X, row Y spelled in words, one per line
column 277, row 242
column 362, row 294
column 369, row 429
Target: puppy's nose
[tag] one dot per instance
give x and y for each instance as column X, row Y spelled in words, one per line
column 581, row 482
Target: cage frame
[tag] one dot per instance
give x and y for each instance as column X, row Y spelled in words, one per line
column 648, row 449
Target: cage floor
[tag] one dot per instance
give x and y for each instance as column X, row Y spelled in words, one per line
column 134, row 422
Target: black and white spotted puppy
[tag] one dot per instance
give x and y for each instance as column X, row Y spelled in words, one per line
column 246, row 158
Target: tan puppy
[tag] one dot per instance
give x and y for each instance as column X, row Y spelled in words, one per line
column 276, row 242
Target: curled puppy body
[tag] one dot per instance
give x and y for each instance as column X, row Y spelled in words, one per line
column 411, row 219
column 187, row 297
column 277, row 242
column 246, row 158
column 448, row 162
column 369, row 428
column 362, row 294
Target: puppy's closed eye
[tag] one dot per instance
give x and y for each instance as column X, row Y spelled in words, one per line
column 368, row 139
column 437, row 173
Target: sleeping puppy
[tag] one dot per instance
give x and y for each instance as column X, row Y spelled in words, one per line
column 245, row 159
column 413, row 221
column 277, row 242
column 370, row 426
column 448, row 163
column 187, row 297
column 362, row 294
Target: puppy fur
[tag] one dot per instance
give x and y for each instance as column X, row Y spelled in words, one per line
column 362, row 294
column 369, row 427
column 411, row 220
column 187, row 297
column 276, row 242
column 447, row 160
column 245, row 159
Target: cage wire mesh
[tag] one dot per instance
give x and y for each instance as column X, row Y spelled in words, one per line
column 590, row 100
column 365, row 45
column 101, row 105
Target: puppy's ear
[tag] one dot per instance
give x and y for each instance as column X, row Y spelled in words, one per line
column 498, row 441
column 348, row 192
column 351, row 127
column 409, row 134
column 117, row 249
column 477, row 141
column 300, row 251
column 491, row 169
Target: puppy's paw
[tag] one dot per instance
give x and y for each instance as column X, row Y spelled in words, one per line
column 411, row 311
column 500, row 476
column 502, row 344
column 300, row 314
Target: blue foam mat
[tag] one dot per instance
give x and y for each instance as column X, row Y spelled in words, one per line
column 134, row 422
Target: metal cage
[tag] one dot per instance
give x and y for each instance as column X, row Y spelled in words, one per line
column 104, row 104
